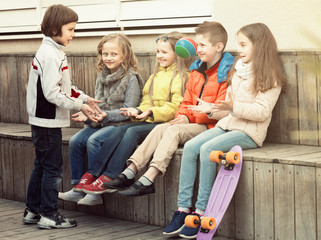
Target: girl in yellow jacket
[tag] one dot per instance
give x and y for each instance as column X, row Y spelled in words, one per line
column 162, row 95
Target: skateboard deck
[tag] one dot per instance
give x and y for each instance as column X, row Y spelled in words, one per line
column 222, row 192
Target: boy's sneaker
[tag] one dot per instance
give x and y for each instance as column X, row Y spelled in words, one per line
column 97, row 187
column 30, row 217
column 91, row 200
column 188, row 232
column 56, row 221
column 176, row 225
column 71, row 196
column 86, row 179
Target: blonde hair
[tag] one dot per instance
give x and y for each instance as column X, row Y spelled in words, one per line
column 214, row 30
column 180, row 67
column 129, row 57
column 267, row 66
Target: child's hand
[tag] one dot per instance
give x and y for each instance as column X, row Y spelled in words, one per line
column 226, row 105
column 180, row 119
column 79, row 117
column 102, row 116
column 202, row 107
column 90, row 113
column 129, row 112
column 144, row 114
column 92, row 103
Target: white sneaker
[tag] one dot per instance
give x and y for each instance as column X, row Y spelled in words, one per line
column 91, row 200
column 56, row 221
column 71, row 196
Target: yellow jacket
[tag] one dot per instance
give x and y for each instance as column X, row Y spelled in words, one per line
column 164, row 109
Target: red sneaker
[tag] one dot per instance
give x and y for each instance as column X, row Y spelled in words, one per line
column 86, row 179
column 97, row 187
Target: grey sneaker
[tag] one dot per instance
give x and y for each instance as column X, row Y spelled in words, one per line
column 30, row 217
column 56, row 221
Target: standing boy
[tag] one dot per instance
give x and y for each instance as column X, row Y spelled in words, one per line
column 50, row 96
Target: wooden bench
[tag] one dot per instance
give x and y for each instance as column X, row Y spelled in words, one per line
column 279, row 193
column 278, row 196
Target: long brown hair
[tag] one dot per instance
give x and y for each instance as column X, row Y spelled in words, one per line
column 129, row 57
column 180, row 67
column 267, row 66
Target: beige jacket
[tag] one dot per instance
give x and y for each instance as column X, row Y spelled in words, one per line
column 252, row 113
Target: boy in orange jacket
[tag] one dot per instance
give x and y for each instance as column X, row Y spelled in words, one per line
column 207, row 81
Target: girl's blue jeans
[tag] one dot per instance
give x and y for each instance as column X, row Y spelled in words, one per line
column 215, row 139
column 90, row 139
column 118, row 147
column 42, row 193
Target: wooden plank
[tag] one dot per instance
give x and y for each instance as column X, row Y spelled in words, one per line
column 227, row 225
column 244, row 203
column 157, row 203
column 263, row 201
column 90, row 75
column 141, row 204
column 318, row 69
column 171, row 182
column 307, row 100
column 284, row 202
column 305, row 202
column 112, row 205
column 7, row 173
column 66, row 179
column 23, row 68
column 4, row 91
column 289, row 108
column 18, row 157
column 14, row 104
column 318, row 199
column 1, row 165
column 274, row 129
column 29, row 151
column 125, row 208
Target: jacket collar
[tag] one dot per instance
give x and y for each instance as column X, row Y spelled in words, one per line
column 170, row 68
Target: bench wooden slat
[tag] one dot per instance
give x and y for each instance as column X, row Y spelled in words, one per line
column 305, row 203
column 284, row 214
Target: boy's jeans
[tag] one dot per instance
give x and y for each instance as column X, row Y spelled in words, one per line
column 42, row 194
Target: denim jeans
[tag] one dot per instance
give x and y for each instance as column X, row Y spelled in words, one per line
column 202, row 145
column 88, row 138
column 42, row 193
column 119, row 146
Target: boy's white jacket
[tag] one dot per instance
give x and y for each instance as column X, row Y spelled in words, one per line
column 50, row 94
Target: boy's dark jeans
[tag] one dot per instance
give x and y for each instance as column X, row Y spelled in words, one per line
column 42, row 194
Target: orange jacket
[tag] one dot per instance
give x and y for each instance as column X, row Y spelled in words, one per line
column 212, row 91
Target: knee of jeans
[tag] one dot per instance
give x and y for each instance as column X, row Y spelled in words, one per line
column 73, row 141
column 92, row 142
column 189, row 147
column 130, row 133
column 204, row 153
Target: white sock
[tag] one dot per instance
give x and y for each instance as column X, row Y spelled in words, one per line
column 183, row 209
column 145, row 181
column 130, row 174
column 199, row 211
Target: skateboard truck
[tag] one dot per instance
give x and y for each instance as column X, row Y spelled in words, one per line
column 228, row 160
